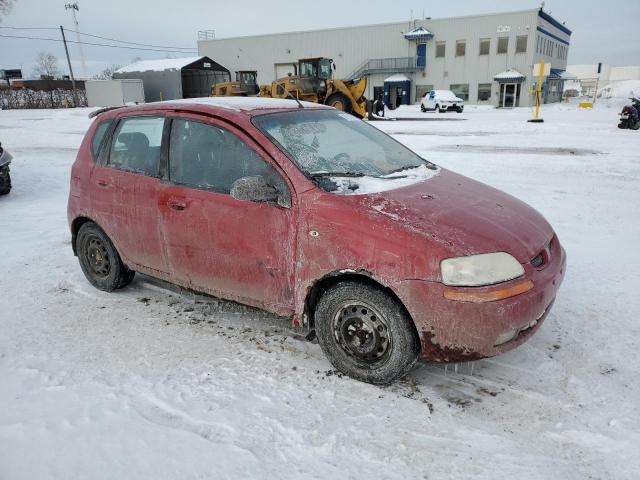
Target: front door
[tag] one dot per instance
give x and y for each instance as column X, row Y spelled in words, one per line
column 509, row 95
column 124, row 188
column 236, row 249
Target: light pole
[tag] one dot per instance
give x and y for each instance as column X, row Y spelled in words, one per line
column 75, row 8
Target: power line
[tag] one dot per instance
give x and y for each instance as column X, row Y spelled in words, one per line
column 96, row 44
column 132, row 43
column 162, row 47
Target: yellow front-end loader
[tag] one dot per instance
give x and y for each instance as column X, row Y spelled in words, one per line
column 313, row 82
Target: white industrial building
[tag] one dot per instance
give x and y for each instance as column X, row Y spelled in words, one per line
column 484, row 59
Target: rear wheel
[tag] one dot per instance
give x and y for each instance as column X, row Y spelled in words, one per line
column 365, row 333
column 339, row 101
column 99, row 259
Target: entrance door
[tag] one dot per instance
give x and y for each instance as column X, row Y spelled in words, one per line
column 509, row 95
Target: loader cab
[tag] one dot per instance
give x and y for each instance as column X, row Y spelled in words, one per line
column 248, row 80
column 318, row 67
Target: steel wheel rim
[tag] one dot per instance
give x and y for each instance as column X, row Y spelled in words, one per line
column 97, row 256
column 362, row 333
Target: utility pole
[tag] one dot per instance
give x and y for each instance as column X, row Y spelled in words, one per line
column 75, row 8
column 73, row 80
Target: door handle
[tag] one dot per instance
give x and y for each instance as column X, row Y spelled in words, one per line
column 102, row 183
column 177, row 205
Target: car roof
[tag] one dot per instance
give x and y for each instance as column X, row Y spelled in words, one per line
column 218, row 105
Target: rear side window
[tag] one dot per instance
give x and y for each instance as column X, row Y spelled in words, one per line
column 98, row 136
column 136, row 145
column 209, row 157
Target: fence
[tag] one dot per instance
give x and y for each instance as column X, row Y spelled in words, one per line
column 25, row 98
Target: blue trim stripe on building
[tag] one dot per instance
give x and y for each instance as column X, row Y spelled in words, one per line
column 553, row 22
column 540, row 29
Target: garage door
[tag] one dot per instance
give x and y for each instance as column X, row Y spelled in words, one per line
column 283, row 69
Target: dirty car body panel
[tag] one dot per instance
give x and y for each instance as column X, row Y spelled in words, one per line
column 274, row 255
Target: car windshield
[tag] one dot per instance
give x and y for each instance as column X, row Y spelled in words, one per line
column 326, row 144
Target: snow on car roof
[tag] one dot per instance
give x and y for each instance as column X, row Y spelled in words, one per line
column 242, row 103
column 445, row 94
column 158, row 65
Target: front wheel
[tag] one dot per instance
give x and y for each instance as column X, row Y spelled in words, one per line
column 423, row 109
column 99, row 259
column 438, row 109
column 340, row 102
column 366, row 333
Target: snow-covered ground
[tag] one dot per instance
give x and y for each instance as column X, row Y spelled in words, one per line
column 148, row 383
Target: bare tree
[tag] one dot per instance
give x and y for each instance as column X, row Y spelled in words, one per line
column 107, row 73
column 5, row 7
column 46, row 65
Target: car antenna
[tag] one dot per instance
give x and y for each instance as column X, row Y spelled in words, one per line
column 291, row 95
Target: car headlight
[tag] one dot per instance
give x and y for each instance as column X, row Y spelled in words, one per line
column 478, row 270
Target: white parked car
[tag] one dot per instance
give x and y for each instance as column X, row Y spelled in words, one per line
column 441, row 101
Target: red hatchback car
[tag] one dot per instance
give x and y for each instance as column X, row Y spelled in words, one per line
column 310, row 213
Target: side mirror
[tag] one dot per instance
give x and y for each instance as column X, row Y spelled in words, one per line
column 254, row 189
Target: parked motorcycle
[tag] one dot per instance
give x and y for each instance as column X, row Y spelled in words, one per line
column 630, row 115
column 5, row 179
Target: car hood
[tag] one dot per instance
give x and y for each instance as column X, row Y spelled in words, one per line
column 465, row 216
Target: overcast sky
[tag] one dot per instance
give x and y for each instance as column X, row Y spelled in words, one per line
column 602, row 31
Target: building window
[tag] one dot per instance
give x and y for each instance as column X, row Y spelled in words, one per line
column 521, row 43
column 422, row 90
column 485, row 45
column 503, row 44
column 461, row 48
column 484, row 92
column 460, row 90
column 440, row 49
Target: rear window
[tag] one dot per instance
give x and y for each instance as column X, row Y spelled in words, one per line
column 98, row 136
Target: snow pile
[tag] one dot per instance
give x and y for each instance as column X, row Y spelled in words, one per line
column 621, row 90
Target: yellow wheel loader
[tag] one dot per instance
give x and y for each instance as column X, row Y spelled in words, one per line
column 313, row 82
column 246, row 85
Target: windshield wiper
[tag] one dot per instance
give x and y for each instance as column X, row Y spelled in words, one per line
column 336, row 174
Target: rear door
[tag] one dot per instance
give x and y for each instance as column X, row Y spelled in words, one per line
column 236, row 249
column 124, row 189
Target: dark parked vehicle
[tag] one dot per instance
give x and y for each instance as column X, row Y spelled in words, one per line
column 5, row 177
column 313, row 214
column 630, row 115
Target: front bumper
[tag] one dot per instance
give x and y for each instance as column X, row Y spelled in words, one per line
column 455, row 331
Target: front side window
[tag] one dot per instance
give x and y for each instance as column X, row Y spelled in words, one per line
column 331, row 147
column 136, row 145
column 521, row 43
column 440, row 49
column 503, row 44
column 461, row 48
column 210, row 157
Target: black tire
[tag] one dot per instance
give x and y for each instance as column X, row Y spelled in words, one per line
column 365, row 333
column 438, row 109
column 5, row 183
column 634, row 126
column 422, row 108
column 340, row 102
column 99, row 259
column 623, row 124
column 460, row 110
